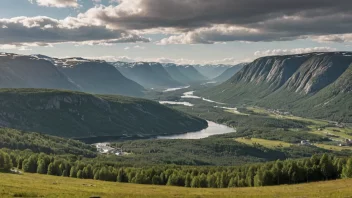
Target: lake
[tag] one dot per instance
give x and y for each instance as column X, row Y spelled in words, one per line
column 213, row 129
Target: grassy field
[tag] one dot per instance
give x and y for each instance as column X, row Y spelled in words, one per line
column 332, row 147
column 33, row 185
column 263, row 142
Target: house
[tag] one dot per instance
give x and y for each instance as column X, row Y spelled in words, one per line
column 305, row 143
column 346, row 142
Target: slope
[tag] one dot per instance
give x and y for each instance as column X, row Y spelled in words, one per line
column 98, row 77
column 228, row 73
column 293, row 83
column 150, row 75
column 211, row 71
column 190, row 72
column 176, row 74
column 20, row 71
column 78, row 115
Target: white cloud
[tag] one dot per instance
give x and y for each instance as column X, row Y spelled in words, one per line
column 293, row 51
column 56, row 3
column 338, row 38
column 69, row 30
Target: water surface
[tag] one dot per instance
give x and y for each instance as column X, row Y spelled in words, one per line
column 213, row 129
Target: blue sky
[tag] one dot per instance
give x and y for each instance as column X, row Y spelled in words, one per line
column 139, row 30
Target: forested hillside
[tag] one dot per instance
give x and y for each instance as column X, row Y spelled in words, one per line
column 76, row 114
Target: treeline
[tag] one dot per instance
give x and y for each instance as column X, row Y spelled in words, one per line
column 316, row 168
column 19, row 140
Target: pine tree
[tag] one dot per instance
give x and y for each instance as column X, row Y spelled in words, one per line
column 347, row 169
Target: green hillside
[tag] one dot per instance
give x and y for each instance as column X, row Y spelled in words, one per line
column 36, row 142
column 76, row 114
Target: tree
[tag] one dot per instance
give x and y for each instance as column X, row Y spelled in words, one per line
column 42, row 169
column 30, row 165
column 188, row 180
column 80, row 174
column 73, row 172
column 195, row 182
column 122, row 177
column 51, row 169
column 156, row 180
column 326, row 167
column 347, row 169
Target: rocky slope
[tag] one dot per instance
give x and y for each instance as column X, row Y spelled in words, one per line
column 20, row 71
column 98, row 77
column 315, row 84
column 76, row 114
column 150, row 75
column 228, row 73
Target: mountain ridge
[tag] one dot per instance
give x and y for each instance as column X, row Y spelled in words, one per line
column 290, row 82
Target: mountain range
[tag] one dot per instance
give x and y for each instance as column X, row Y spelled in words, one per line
column 315, row 84
column 150, row 75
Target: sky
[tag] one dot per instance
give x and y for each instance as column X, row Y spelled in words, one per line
column 179, row 31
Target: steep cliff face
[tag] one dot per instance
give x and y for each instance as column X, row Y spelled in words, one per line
column 19, row 71
column 98, row 77
column 318, row 72
column 150, row 75
column 76, row 114
column 291, row 82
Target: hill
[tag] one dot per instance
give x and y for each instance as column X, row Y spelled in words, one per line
column 35, row 185
column 98, row 77
column 211, row 71
column 41, row 143
column 76, row 114
column 228, row 73
column 20, row 71
column 150, row 75
column 319, row 82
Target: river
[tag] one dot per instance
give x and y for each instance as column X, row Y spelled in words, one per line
column 213, row 129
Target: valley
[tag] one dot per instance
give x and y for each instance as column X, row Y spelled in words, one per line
column 176, row 130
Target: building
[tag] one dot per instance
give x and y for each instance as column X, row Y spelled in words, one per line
column 305, row 143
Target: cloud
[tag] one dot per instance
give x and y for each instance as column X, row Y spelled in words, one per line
column 293, row 51
column 56, row 3
column 209, row 21
column 338, row 38
column 50, row 31
column 178, row 61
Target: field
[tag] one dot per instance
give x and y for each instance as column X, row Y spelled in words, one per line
column 266, row 143
column 34, row 185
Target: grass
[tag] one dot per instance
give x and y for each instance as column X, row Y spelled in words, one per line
column 34, row 185
column 332, row 147
column 263, row 142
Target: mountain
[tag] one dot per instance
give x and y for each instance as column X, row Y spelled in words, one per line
column 211, row 71
column 150, row 75
column 20, row 71
column 318, row 85
column 79, row 115
column 192, row 73
column 175, row 72
column 99, row 77
column 228, row 73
